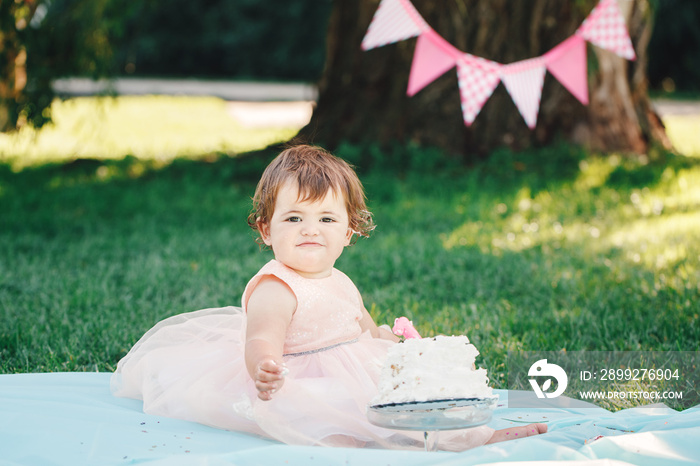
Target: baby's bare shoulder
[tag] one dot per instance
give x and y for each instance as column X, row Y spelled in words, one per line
column 272, row 293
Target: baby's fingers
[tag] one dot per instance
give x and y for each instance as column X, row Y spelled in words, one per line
column 272, row 367
column 266, row 390
column 269, row 377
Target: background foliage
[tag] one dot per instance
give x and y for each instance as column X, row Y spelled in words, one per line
column 43, row 40
column 286, row 40
column 674, row 49
column 241, row 39
column 228, row 39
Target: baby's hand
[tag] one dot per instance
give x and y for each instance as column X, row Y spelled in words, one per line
column 269, row 377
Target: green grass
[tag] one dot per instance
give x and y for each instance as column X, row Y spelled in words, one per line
column 554, row 249
column 156, row 128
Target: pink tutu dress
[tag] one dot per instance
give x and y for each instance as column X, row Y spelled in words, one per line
column 192, row 366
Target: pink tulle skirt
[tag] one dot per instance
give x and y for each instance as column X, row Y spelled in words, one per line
column 192, row 367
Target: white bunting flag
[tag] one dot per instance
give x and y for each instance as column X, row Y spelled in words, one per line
column 394, row 20
column 478, row 78
column 605, row 27
column 524, row 80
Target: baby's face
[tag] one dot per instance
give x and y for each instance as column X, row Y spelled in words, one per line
column 305, row 236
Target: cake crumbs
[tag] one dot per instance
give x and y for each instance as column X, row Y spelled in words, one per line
column 591, row 440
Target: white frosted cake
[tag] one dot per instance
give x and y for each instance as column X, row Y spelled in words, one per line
column 426, row 369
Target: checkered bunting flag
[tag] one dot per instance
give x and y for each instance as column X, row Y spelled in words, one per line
column 605, row 27
column 477, row 78
column 394, row 21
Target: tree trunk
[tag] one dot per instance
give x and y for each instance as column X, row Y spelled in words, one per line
column 14, row 17
column 362, row 95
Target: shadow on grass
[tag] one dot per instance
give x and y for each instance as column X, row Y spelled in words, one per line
column 537, row 169
column 245, row 167
column 647, row 170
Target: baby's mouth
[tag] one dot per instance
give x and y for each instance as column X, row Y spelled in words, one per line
column 307, row 244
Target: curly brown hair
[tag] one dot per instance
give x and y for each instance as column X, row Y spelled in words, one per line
column 316, row 171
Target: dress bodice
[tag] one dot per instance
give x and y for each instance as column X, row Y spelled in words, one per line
column 328, row 309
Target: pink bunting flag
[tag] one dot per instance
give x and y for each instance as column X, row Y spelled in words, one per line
column 568, row 63
column 478, row 78
column 432, row 58
column 394, row 20
column 524, row 80
column 605, row 27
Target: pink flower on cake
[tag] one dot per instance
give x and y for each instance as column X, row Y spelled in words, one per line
column 404, row 327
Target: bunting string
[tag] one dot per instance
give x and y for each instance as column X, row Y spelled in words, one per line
column 397, row 20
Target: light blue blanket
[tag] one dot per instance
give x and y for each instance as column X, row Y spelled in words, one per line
column 72, row 419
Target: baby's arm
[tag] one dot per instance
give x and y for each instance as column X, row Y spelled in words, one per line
column 367, row 323
column 270, row 309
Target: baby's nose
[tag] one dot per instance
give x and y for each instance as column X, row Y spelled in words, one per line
column 309, row 229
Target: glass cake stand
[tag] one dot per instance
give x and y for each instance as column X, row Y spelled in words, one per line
column 433, row 416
